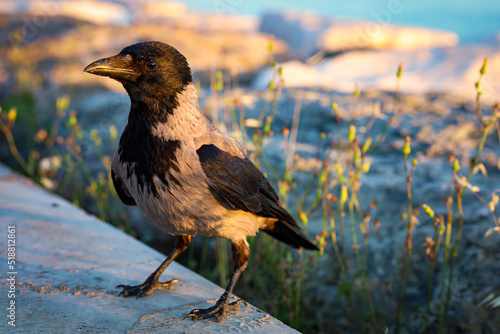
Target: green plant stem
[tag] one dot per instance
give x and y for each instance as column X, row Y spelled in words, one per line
column 269, row 166
column 342, row 235
column 356, row 254
column 54, row 130
column 15, row 152
column 307, row 191
column 429, row 291
column 455, row 249
column 397, row 99
column 343, row 260
column 243, row 128
column 222, row 261
column 353, row 229
column 459, row 230
column 297, row 302
column 442, row 315
column 478, row 154
column 438, row 237
column 407, row 256
column 260, row 141
column 366, row 290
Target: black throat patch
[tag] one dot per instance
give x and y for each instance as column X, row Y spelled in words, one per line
column 151, row 155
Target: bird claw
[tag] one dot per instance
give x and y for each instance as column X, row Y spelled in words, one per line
column 218, row 311
column 146, row 288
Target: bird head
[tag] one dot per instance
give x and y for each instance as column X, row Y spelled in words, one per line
column 149, row 70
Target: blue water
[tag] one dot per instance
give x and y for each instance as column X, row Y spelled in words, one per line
column 473, row 20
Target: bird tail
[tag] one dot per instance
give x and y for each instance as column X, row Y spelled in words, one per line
column 290, row 234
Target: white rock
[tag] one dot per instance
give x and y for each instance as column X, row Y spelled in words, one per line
column 177, row 14
column 299, row 30
column 161, row 9
column 218, row 23
column 454, row 69
column 307, row 33
column 98, row 12
column 242, row 23
column 371, row 35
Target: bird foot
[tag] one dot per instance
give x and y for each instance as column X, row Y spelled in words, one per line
column 218, row 311
column 146, row 288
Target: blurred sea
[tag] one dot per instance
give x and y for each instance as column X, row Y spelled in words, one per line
column 472, row 21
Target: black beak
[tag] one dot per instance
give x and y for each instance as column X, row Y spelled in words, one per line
column 116, row 67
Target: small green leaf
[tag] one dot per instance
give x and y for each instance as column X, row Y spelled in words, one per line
column 482, row 71
column 345, row 289
column 399, row 73
column 352, row 133
column 407, row 148
column 12, row 115
column 367, row 144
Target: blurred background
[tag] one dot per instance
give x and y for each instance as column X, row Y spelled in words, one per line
column 472, row 22
column 340, row 103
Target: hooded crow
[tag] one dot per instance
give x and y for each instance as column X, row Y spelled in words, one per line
column 186, row 176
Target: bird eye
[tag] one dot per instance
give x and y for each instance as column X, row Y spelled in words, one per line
column 151, row 65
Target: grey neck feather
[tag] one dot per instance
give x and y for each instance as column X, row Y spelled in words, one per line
column 186, row 120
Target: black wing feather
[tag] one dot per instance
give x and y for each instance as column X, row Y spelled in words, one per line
column 237, row 183
column 121, row 190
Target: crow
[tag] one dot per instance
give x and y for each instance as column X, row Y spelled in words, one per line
column 185, row 175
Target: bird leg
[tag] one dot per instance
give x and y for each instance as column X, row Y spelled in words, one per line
column 152, row 282
column 241, row 254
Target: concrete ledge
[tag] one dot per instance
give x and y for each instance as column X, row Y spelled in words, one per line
column 68, row 264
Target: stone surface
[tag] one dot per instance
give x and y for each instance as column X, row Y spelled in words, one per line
column 68, row 264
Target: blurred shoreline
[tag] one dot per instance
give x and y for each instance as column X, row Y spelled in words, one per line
column 475, row 21
column 315, row 52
